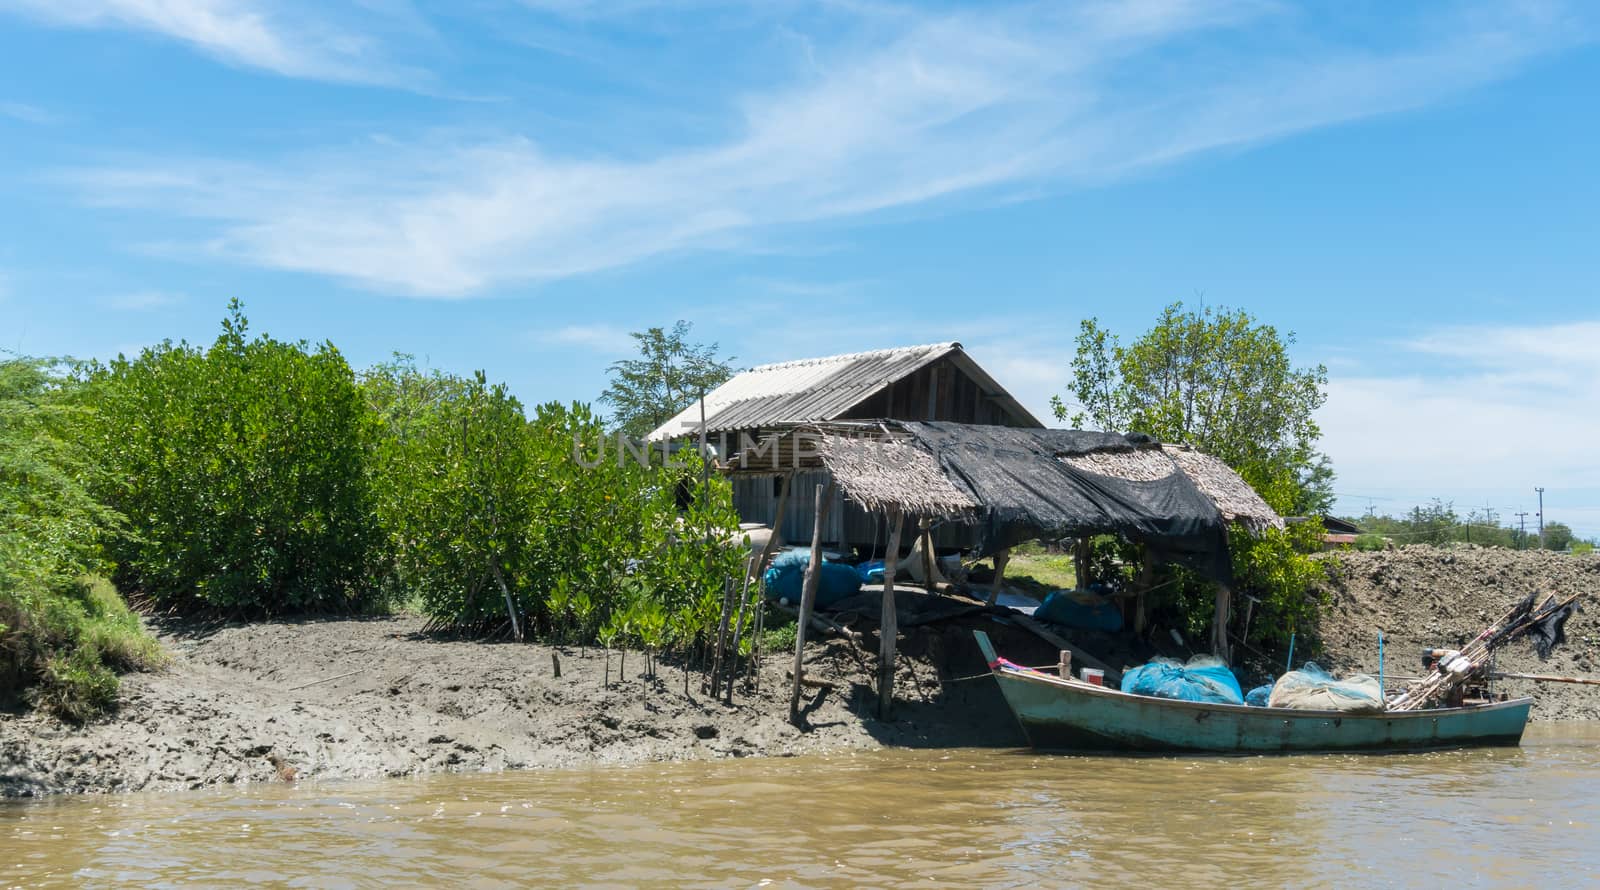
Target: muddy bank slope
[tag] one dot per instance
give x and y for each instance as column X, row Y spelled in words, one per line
column 373, row 697
column 1422, row 596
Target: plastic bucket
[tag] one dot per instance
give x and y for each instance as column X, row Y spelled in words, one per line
column 1093, row 676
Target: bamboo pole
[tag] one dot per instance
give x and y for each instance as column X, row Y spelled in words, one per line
column 722, row 637
column 738, row 629
column 511, row 611
column 889, row 623
column 927, row 555
column 808, row 595
column 1545, row 678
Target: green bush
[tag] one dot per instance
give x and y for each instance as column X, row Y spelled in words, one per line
column 61, row 639
column 242, row 471
column 472, row 495
column 1370, row 541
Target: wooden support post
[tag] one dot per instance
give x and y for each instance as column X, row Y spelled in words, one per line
column 1080, row 564
column 1219, row 623
column 889, row 623
column 927, row 555
column 808, row 594
column 1001, row 557
column 1147, row 580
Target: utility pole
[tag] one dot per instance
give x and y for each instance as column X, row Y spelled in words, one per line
column 1541, row 516
column 1522, row 528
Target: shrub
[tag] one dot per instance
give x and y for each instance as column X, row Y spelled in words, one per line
column 1370, row 541
column 61, row 639
column 473, row 495
column 241, row 468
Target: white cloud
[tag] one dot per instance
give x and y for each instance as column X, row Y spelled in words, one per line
column 995, row 101
column 143, row 300
column 1516, row 406
column 293, row 39
column 28, row 114
column 600, row 338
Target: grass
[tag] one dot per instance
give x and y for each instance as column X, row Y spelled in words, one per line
column 1046, row 569
column 65, row 647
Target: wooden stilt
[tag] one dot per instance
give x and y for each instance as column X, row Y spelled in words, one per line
column 1147, row 579
column 1219, row 623
column 927, row 555
column 808, row 595
column 1080, row 564
column 1001, row 557
column 889, row 623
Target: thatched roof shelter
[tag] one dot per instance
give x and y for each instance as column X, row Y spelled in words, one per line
column 1025, row 483
column 882, row 473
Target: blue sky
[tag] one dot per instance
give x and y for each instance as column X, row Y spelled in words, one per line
column 514, row 185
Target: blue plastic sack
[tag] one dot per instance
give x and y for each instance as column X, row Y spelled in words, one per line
column 786, row 578
column 871, row 571
column 1205, row 679
column 1257, row 697
column 1064, row 608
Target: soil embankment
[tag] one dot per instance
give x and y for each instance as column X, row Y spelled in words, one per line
column 374, row 697
column 1422, row 597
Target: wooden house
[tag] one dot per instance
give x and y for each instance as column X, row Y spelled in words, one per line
column 939, row 381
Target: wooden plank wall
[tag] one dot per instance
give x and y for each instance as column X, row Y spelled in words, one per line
column 941, row 391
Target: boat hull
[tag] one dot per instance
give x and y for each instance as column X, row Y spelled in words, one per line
column 1064, row 715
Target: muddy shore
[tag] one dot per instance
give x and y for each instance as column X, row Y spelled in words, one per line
column 362, row 698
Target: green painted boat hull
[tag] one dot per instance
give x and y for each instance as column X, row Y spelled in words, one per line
column 1063, row 715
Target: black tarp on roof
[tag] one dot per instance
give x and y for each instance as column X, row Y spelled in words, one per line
column 1027, row 492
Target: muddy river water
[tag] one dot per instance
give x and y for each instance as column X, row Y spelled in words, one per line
column 1526, row 816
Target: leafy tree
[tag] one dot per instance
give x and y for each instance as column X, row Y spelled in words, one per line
column 61, row 636
column 1222, row 382
column 1558, row 536
column 473, row 494
column 242, row 471
column 668, row 376
column 1214, row 379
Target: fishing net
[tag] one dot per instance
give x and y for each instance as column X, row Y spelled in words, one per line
column 1257, row 697
column 1313, row 689
column 1205, row 678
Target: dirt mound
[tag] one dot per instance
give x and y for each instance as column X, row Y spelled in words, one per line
column 1421, row 597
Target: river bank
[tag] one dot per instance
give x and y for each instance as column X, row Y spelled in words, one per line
column 363, row 698
column 1422, row 596
column 359, row 698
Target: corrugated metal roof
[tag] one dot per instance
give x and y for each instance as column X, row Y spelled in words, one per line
column 803, row 391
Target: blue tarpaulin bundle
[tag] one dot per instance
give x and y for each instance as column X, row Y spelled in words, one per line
column 1084, row 611
column 1257, row 697
column 835, row 581
column 1204, row 678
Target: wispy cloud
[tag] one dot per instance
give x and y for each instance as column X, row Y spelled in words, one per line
column 987, row 104
column 143, row 300
column 28, row 114
column 601, row 338
column 1516, row 406
column 287, row 37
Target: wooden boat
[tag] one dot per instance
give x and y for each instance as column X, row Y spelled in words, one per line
column 1069, row 715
